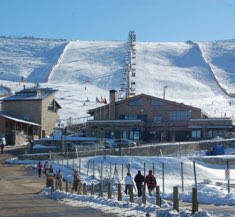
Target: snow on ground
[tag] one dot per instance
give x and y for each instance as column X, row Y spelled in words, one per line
column 84, row 70
column 207, row 177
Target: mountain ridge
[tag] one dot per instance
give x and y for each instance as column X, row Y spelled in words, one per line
column 190, row 70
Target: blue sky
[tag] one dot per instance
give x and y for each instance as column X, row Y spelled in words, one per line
column 152, row 20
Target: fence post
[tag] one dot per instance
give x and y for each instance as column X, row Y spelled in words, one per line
column 194, row 201
column 119, row 192
column 67, row 186
column 88, row 168
column 101, row 176
column 182, row 175
column 122, row 171
column 158, row 198
column 131, row 194
column 176, row 199
column 56, row 184
column 143, row 193
column 109, row 191
column 79, row 165
column 100, row 189
column 163, row 177
column 110, row 171
column 80, row 188
column 228, row 177
column 195, row 174
column 92, row 189
column 93, row 173
column 67, row 160
column 84, row 189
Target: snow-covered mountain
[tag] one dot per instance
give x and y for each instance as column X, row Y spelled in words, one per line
column 201, row 74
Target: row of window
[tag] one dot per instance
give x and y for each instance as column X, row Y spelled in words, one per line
column 173, row 116
column 140, row 102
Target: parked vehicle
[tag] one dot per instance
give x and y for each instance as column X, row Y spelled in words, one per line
column 70, row 146
column 118, row 143
column 109, row 143
column 124, row 143
column 90, row 145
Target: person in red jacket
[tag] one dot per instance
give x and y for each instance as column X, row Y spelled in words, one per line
column 39, row 167
column 151, row 182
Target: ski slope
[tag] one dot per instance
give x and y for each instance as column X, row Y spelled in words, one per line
column 200, row 74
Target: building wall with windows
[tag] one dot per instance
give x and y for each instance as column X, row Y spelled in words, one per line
column 36, row 105
column 146, row 118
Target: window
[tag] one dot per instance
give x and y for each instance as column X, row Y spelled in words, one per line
column 157, row 119
column 133, row 117
column 196, row 133
column 130, row 117
column 156, row 102
column 137, row 102
column 179, row 115
column 51, row 105
column 135, row 135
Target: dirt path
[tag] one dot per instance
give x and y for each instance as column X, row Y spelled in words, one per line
column 19, row 195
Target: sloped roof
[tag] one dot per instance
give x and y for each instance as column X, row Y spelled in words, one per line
column 19, row 120
column 142, row 95
column 30, row 94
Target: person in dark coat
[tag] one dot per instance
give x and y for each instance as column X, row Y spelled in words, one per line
column 139, row 179
column 151, row 182
column 2, row 147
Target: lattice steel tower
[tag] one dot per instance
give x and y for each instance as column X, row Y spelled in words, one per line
column 128, row 80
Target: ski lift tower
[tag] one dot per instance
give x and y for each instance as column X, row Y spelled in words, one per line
column 132, row 62
column 128, row 80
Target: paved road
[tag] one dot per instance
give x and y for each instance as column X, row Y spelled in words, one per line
column 19, row 195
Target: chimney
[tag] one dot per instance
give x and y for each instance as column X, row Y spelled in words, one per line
column 112, row 101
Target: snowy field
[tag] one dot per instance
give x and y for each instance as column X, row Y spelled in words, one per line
column 207, row 176
column 195, row 73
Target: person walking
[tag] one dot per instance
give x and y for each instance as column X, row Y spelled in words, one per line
column 39, row 167
column 139, row 179
column 59, row 179
column 76, row 180
column 46, row 167
column 50, row 180
column 51, row 169
column 2, row 144
column 151, row 182
column 128, row 183
column 2, row 147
